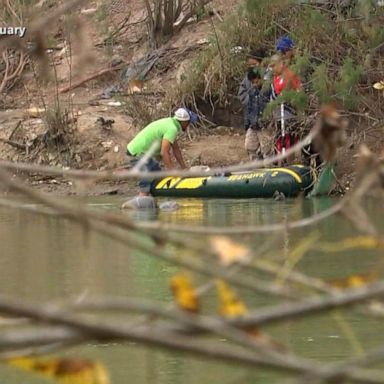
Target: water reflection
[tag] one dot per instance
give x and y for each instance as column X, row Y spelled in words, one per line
column 225, row 212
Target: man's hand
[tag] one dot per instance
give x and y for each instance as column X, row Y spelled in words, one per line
column 166, row 154
column 178, row 155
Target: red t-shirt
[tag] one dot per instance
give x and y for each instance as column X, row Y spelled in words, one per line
column 287, row 80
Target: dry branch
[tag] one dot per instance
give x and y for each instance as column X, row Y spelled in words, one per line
column 14, row 144
column 192, row 12
column 78, row 329
column 13, row 68
column 179, row 334
column 89, row 78
column 345, row 299
column 106, row 332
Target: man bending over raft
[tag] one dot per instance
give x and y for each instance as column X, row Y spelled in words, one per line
column 164, row 132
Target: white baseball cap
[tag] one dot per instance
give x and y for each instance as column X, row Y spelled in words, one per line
column 182, row 115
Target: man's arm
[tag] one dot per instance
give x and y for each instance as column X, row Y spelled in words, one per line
column 166, row 154
column 178, row 155
column 243, row 93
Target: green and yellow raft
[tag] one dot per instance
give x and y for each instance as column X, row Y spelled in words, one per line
column 264, row 183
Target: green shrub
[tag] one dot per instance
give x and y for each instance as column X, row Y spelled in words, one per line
column 333, row 49
column 349, row 77
column 321, row 84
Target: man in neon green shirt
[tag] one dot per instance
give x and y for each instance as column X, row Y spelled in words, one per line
column 163, row 134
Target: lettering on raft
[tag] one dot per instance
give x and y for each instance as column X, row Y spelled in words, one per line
column 13, row 31
column 247, row 176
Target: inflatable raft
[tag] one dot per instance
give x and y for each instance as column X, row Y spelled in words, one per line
column 291, row 181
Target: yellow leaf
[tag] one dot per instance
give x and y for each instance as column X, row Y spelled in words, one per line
column 228, row 251
column 354, row 281
column 81, row 372
column 230, row 304
column 357, row 281
column 34, row 112
column 379, row 85
column 42, row 366
column 64, row 371
column 184, row 293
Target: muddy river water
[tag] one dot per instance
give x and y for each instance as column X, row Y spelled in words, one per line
column 49, row 258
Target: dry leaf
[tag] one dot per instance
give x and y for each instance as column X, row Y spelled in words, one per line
column 230, row 304
column 228, row 251
column 184, row 293
column 34, row 112
column 331, row 126
column 64, row 371
column 379, row 85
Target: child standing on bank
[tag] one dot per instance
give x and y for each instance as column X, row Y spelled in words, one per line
column 254, row 111
column 254, row 61
column 253, row 104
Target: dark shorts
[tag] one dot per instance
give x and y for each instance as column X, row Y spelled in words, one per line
column 151, row 165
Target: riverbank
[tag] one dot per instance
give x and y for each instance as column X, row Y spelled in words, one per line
column 96, row 148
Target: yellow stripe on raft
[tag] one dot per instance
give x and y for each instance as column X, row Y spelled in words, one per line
column 179, row 183
column 168, row 182
column 192, row 183
column 162, row 182
column 174, row 181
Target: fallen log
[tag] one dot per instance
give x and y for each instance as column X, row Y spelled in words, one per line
column 91, row 77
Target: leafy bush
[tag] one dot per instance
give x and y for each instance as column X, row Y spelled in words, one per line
column 338, row 49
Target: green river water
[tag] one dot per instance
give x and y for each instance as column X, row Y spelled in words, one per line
column 48, row 258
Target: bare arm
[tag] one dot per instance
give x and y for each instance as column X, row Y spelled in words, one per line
column 166, row 154
column 178, row 155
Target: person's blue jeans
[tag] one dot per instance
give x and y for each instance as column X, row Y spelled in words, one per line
column 151, row 165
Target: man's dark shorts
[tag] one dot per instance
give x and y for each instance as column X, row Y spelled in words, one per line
column 151, row 165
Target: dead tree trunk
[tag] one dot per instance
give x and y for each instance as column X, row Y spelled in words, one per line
column 162, row 15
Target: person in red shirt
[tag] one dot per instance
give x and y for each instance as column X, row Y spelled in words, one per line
column 284, row 79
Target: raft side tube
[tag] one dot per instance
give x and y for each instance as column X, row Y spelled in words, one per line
column 263, row 183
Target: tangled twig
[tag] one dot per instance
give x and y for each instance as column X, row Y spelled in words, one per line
column 14, row 64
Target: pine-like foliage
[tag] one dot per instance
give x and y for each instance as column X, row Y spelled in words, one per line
column 339, row 50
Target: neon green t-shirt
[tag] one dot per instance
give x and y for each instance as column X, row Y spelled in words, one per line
column 166, row 128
